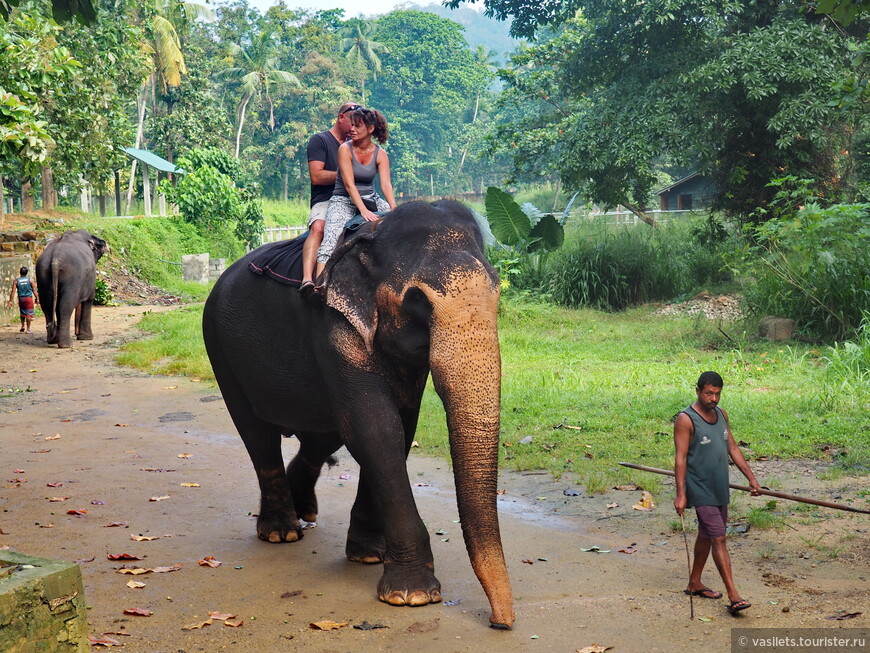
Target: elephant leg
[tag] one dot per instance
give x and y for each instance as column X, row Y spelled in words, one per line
column 304, row 470
column 83, row 321
column 63, row 319
column 77, row 320
column 365, row 537
column 378, row 444
column 277, row 520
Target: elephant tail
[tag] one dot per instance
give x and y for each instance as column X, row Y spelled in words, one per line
column 55, row 273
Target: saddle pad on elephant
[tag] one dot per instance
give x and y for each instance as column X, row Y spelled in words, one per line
column 282, row 261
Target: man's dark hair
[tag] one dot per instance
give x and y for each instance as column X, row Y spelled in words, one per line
column 23, row 271
column 710, row 378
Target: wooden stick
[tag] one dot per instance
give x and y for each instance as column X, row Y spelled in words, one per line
column 689, row 565
column 770, row 493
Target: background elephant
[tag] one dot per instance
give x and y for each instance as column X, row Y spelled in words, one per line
column 406, row 295
column 66, row 275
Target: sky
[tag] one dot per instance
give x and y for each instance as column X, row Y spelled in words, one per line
column 352, row 8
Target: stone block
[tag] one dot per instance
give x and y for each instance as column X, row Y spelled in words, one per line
column 216, row 267
column 194, row 267
column 777, row 328
column 42, row 606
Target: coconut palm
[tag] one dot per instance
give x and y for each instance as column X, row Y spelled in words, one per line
column 483, row 58
column 257, row 75
column 362, row 50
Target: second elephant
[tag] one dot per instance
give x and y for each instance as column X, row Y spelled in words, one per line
column 66, row 275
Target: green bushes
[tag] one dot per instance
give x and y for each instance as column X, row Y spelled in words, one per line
column 632, row 265
column 814, row 267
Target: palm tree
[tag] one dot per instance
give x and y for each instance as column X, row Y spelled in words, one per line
column 362, row 50
column 257, row 73
column 167, row 18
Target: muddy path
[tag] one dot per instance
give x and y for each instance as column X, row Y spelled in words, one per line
column 109, row 439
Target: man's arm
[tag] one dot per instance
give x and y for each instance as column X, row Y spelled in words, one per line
column 682, row 437
column 319, row 176
column 12, row 294
column 737, row 456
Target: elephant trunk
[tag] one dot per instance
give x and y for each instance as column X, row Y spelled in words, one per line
column 466, row 371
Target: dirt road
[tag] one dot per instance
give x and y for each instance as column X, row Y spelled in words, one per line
column 107, row 440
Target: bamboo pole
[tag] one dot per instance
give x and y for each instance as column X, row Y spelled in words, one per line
column 770, row 493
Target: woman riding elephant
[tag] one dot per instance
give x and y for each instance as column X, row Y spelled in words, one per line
column 408, row 294
column 66, row 274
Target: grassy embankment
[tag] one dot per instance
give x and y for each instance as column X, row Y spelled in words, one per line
column 617, row 379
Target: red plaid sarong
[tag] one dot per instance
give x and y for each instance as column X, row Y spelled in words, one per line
column 25, row 306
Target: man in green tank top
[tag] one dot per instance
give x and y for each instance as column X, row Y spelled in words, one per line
column 703, row 443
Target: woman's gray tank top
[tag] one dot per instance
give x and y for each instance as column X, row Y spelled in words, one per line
column 707, row 461
column 363, row 175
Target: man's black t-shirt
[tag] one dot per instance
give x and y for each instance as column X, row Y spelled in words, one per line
column 323, row 146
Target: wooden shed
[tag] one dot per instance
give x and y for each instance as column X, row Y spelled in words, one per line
column 692, row 193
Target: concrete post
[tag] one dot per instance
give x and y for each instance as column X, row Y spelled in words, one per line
column 194, row 267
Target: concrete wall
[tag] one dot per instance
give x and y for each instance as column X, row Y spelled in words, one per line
column 9, row 266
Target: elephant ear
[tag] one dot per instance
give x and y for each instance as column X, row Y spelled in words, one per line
column 351, row 286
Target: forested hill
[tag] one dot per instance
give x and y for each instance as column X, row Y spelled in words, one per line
column 479, row 30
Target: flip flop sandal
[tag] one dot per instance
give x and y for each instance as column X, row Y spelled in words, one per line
column 737, row 606
column 704, row 593
column 306, row 288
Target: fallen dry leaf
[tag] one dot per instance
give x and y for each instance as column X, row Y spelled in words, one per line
column 115, row 524
column 58, row 484
column 627, row 549
column 103, row 641
column 185, row 455
column 842, row 617
column 166, row 570
column 41, row 526
column 143, row 538
column 594, row 648
column 423, row 626
column 155, row 469
column 163, row 498
column 122, row 556
column 626, row 488
column 221, row 616
column 611, row 506
column 197, row 626
column 18, row 471
column 56, row 436
column 135, row 571
column 327, row 625
column 234, row 623
column 57, row 499
column 209, row 561
column 646, row 502
column 122, row 425
column 135, row 584
column 528, row 561
column 77, row 513
column 190, row 485
column 139, row 612
column 84, row 560
column 41, row 451
column 170, row 387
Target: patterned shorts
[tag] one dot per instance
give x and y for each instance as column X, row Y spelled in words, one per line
column 341, row 209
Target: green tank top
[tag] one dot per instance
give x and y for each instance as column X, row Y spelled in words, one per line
column 707, row 462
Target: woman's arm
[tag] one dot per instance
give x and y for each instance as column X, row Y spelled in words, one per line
column 384, row 176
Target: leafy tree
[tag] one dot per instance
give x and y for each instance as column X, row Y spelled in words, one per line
column 362, row 50
column 257, row 74
column 741, row 91
column 426, row 88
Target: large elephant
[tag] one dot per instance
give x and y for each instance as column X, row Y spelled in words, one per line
column 66, row 275
column 405, row 295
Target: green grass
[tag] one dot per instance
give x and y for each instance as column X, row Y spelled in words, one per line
column 282, row 214
column 620, row 378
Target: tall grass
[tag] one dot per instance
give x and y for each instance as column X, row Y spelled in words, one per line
column 283, row 214
column 613, row 269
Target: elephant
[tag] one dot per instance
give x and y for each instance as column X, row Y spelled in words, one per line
column 406, row 295
column 66, row 275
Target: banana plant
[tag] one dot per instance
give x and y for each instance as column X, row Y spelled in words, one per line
column 524, row 228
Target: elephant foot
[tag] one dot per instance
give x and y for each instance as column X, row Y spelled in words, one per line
column 278, row 527
column 400, row 587
column 367, row 553
column 85, row 336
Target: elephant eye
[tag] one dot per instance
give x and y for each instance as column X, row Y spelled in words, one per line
column 416, row 305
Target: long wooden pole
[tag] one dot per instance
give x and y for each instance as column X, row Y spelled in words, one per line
column 770, row 493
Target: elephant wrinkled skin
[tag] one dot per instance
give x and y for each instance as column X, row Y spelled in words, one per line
column 66, row 274
column 407, row 295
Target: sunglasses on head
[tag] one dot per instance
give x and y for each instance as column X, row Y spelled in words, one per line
column 352, row 107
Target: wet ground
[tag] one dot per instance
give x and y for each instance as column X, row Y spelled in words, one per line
column 159, row 457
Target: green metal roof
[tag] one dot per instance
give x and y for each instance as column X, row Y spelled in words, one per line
column 152, row 160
